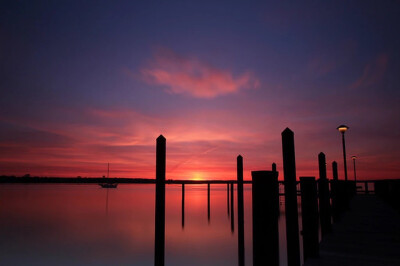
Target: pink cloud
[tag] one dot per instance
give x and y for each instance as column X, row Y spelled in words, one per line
column 190, row 76
column 373, row 72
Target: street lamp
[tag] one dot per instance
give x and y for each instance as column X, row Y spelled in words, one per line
column 354, row 165
column 342, row 129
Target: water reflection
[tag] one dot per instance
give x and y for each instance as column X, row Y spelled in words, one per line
column 84, row 224
column 208, row 202
column 183, row 206
column 64, row 225
column 227, row 197
column 232, row 211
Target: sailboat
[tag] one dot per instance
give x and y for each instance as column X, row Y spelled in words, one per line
column 108, row 184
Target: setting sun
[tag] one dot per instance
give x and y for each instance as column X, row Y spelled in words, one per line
column 197, row 176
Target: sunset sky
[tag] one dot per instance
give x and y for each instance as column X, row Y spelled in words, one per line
column 84, row 83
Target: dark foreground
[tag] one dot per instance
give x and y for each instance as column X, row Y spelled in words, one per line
column 368, row 234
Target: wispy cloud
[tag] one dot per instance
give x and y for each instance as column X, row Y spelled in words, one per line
column 190, row 76
column 373, row 72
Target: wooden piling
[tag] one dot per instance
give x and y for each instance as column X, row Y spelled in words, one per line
column 322, row 166
column 292, row 225
column 335, row 171
column 334, row 192
column 265, row 195
column 324, row 200
column 309, row 210
column 240, row 210
column 160, row 201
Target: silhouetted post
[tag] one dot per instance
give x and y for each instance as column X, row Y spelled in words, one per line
column 340, row 195
column 335, row 171
column 309, row 209
column 160, row 201
column 322, row 166
column 227, row 196
column 324, row 201
column 232, row 210
column 334, row 192
column 354, row 168
column 183, row 205
column 274, row 170
column 292, row 224
column 240, row 210
column 265, row 194
column 208, row 201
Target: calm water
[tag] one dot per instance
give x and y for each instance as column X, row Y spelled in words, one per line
column 88, row 225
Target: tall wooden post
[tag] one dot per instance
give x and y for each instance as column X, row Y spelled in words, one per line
column 265, row 195
column 334, row 193
column 240, row 210
column 322, row 165
column 160, row 201
column 292, row 224
column 324, row 200
column 335, row 171
column 309, row 210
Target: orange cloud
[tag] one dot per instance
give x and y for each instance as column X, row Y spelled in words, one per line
column 182, row 75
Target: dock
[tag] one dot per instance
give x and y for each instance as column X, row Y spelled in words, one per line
column 367, row 234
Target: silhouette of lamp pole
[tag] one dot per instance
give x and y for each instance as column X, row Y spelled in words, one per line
column 354, row 165
column 342, row 129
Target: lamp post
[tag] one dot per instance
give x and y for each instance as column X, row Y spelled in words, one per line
column 342, row 129
column 354, row 165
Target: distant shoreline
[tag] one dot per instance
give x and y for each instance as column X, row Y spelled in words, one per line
column 72, row 180
column 97, row 180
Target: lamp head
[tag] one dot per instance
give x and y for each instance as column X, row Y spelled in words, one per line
column 342, row 128
column 353, row 157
